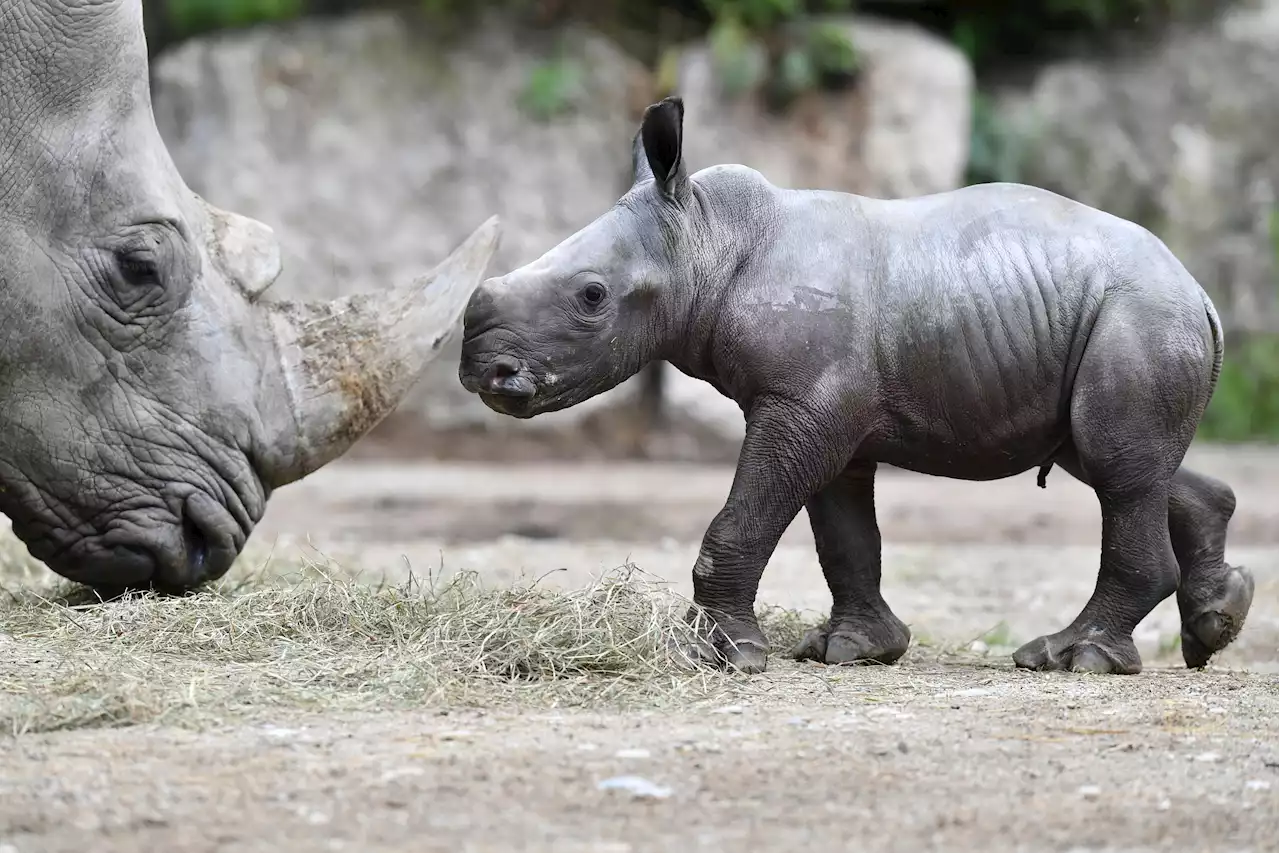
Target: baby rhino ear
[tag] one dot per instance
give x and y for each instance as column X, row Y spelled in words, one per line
column 661, row 133
column 640, row 171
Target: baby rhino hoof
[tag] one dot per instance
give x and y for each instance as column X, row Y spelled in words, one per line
column 1216, row 625
column 845, row 641
column 733, row 646
column 1080, row 650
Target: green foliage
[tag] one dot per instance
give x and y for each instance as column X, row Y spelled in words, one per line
column 188, row 17
column 997, row 150
column 779, row 47
column 552, row 88
column 1245, row 405
column 831, row 52
column 1003, row 31
column 739, row 62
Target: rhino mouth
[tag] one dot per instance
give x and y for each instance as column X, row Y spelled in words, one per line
column 504, row 385
column 148, row 550
column 209, row 545
column 506, row 404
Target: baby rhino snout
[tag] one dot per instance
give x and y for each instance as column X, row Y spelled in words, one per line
column 503, row 376
column 488, row 365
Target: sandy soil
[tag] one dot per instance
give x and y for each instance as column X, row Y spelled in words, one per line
column 945, row 751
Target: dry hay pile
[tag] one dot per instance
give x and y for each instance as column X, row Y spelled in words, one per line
column 309, row 636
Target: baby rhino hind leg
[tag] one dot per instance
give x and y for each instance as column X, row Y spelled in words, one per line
column 1134, row 409
column 862, row 628
column 1213, row 597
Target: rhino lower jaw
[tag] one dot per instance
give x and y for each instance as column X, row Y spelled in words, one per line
column 516, row 407
column 171, row 551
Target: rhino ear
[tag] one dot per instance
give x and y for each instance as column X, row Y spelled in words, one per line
column 662, row 133
column 640, row 171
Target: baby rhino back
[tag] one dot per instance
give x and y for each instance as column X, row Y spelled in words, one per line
column 985, row 300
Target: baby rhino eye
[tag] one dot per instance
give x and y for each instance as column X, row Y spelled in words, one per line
column 593, row 294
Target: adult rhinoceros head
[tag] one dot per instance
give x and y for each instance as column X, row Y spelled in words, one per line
column 149, row 403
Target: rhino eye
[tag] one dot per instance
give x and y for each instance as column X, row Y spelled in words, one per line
column 138, row 269
column 593, row 294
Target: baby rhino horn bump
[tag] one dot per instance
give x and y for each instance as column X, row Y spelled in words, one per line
column 349, row 362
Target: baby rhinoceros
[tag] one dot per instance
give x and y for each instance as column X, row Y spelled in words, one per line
column 973, row 334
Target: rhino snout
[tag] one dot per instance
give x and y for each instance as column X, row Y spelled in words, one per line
column 171, row 550
column 501, row 376
column 200, row 547
column 505, row 377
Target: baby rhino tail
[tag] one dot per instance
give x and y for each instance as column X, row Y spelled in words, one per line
column 1215, row 328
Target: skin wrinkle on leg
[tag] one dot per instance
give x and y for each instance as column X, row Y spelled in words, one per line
column 862, row 627
column 785, row 459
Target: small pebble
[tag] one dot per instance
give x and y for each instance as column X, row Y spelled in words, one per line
column 631, row 753
column 279, row 731
column 1258, row 785
column 729, row 709
column 460, row 734
column 1208, row 756
column 636, row 786
column 1089, row 792
column 1164, row 805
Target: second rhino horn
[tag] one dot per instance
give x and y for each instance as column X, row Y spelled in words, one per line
column 347, row 363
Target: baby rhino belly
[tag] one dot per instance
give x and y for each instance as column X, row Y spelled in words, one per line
column 956, row 408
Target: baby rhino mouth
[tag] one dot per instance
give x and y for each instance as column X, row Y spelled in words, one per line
column 504, row 385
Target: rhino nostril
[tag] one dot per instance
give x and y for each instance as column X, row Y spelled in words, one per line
column 503, row 367
column 505, row 377
column 197, row 547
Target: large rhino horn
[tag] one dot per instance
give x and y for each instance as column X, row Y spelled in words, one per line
column 347, row 363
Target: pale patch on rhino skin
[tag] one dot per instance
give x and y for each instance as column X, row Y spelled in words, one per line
column 974, row 334
column 150, row 398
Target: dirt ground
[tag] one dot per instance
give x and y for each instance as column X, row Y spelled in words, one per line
column 952, row 749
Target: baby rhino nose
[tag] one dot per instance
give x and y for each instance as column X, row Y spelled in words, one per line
column 503, row 377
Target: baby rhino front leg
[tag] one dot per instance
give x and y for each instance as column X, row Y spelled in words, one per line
column 786, row 457
column 862, row 628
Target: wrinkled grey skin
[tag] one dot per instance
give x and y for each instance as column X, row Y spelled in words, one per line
column 974, row 334
column 149, row 402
